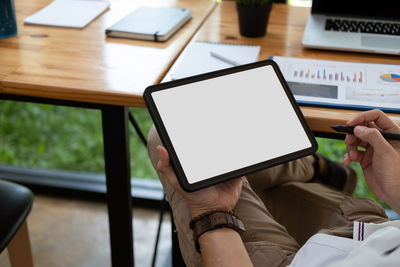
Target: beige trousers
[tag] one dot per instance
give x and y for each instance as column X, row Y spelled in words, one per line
column 279, row 210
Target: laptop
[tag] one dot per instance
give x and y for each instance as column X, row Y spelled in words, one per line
column 354, row 25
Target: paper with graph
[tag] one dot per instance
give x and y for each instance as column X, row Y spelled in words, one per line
column 343, row 84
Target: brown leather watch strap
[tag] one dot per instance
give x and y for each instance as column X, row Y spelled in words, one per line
column 213, row 221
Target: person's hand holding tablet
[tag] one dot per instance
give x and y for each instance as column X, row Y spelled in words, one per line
column 222, row 196
column 226, row 124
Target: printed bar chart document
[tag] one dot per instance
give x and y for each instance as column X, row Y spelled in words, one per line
column 342, row 84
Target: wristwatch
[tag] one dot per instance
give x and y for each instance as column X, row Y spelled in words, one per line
column 215, row 220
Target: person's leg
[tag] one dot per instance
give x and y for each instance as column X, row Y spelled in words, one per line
column 266, row 241
column 300, row 170
column 308, row 208
column 180, row 209
column 313, row 168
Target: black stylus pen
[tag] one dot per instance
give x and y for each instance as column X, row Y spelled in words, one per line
column 348, row 129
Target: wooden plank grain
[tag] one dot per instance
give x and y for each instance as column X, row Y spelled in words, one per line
column 85, row 65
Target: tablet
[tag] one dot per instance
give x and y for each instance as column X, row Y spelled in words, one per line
column 228, row 123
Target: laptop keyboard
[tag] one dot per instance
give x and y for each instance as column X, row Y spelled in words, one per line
column 344, row 25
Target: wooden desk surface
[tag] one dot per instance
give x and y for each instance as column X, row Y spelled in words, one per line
column 284, row 35
column 84, row 65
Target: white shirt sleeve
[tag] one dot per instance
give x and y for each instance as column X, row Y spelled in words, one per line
column 372, row 245
column 322, row 249
column 382, row 248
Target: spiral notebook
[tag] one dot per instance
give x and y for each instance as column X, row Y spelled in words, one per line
column 198, row 58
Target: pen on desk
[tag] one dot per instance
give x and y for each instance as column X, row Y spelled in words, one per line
column 224, row 59
column 348, row 129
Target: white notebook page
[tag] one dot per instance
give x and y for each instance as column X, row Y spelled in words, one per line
column 197, row 58
column 68, row 13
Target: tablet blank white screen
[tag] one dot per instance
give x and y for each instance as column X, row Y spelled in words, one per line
column 230, row 122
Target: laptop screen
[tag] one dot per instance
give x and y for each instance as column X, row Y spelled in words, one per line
column 382, row 9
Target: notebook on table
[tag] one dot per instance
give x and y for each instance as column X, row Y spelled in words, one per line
column 354, row 25
column 68, row 13
column 150, row 23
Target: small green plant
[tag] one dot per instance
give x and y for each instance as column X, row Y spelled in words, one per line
column 253, row 2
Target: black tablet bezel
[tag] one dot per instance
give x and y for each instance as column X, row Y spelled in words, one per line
column 236, row 173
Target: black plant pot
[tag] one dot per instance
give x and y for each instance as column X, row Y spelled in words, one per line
column 253, row 20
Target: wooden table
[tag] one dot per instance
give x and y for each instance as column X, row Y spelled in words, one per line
column 284, row 33
column 83, row 68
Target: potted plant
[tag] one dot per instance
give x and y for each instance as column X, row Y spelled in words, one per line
column 253, row 16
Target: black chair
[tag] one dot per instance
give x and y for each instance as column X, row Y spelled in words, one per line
column 15, row 205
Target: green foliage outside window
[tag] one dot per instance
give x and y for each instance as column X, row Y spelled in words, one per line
column 54, row 137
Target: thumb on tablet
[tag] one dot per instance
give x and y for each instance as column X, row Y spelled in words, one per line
column 164, row 167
